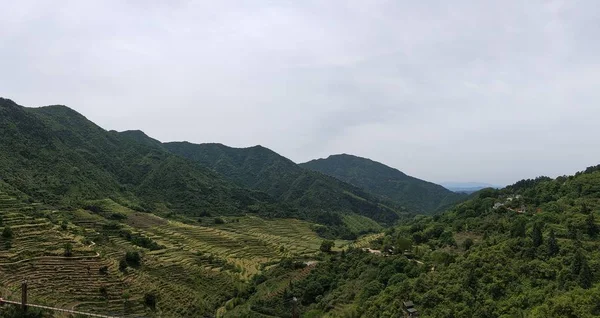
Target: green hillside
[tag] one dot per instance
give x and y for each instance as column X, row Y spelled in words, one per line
column 389, row 183
column 56, row 156
column 311, row 193
column 529, row 250
column 74, row 222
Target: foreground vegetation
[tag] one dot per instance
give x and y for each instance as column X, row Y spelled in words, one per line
column 530, row 250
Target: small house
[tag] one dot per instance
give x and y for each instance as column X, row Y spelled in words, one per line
column 409, row 310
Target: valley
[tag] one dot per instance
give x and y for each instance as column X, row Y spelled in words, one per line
column 120, row 224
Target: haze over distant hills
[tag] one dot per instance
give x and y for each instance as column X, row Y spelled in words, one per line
column 467, row 187
column 389, row 183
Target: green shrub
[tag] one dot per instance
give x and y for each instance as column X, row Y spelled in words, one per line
column 7, row 233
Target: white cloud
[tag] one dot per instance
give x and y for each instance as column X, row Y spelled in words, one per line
column 488, row 91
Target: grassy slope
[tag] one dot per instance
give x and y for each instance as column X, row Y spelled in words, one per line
column 415, row 194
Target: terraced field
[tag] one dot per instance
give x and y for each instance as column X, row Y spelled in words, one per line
column 246, row 245
column 196, row 268
column 35, row 253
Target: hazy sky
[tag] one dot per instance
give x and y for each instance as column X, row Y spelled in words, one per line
column 490, row 91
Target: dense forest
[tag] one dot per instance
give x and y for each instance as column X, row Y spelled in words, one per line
column 56, row 156
column 529, row 250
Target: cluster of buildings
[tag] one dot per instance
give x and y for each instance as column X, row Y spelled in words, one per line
column 508, row 200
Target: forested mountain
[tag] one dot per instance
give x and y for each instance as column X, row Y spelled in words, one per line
column 56, row 156
column 307, row 191
column 73, row 197
column 531, row 249
column 389, row 183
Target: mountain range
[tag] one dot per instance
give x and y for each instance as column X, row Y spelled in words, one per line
column 55, row 155
column 123, row 224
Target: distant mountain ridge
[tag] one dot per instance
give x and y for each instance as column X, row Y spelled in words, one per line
column 264, row 170
column 415, row 194
column 467, row 187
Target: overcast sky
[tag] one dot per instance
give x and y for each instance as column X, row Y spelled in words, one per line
column 490, row 91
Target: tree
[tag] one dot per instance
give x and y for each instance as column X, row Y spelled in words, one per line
column 553, row 247
column 536, row 235
column 122, row 265
column 219, row 221
column 586, row 277
column 150, row 300
column 313, row 289
column 7, row 233
column 572, row 231
column 467, row 244
column 386, row 273
column 17, row 312
column 326, row 246
column 104, row 291
column 103, row 270
column 518, row 228
column 577, row 263
column 403, row 244
column 371, row 289
column 133, row 258
column 584, row 208
column 590, row 225
column 68, row 249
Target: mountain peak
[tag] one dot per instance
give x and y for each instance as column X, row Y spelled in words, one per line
column 140, row 137
column 387, row 182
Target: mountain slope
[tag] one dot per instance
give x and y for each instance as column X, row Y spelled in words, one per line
column 528, row 250
column 57, row 156
column 389, row 183
column 264, row 170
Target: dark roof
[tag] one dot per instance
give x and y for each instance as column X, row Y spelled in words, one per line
column 408, row 304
